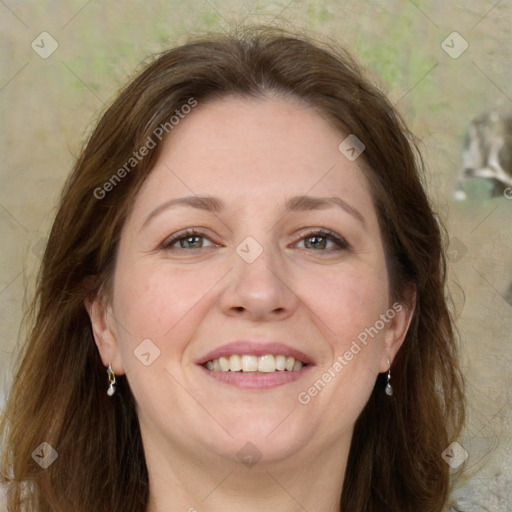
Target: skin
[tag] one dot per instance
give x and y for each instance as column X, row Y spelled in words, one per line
column 253, row 154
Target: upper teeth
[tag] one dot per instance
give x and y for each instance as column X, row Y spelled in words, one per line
column 247, row 363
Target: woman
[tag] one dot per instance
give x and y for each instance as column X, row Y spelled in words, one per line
column 241, row 305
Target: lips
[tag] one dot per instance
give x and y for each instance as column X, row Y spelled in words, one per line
column 271, row 375
column 254, row 348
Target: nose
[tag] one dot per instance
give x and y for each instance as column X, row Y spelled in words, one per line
column 259, row 291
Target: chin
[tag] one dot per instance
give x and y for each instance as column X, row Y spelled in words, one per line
column 268, row 439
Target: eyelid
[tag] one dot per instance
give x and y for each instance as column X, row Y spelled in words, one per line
column 339, row 240
column 169, row 241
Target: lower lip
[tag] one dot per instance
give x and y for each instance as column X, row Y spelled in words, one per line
column 253, row 380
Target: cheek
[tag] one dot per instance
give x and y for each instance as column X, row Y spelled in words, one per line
column 158, row 303
column 347, row 308
column 348, row 300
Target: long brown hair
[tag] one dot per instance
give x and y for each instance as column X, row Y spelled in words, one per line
column 59, row 391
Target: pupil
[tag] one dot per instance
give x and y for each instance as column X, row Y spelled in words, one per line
column 317, row 242
column 189, row 242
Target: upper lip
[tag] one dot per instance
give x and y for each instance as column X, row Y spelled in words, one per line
column 255, row 348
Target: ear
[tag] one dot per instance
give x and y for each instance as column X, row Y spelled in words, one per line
column 398, row 326
column 104, row 329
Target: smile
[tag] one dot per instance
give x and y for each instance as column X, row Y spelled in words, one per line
column 267, row 363
column 255, row 364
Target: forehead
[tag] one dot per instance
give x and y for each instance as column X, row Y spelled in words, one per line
column 261, row 150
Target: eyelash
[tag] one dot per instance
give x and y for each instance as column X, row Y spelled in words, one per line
column 320, row 233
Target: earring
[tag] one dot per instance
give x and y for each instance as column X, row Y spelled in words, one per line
column 111, row 380
column 388, row 389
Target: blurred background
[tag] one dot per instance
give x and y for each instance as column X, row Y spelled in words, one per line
column 62, row 62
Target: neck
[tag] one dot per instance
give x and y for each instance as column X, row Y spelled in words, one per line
column 209, row 483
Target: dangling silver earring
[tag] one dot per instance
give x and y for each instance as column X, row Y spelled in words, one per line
column 389, row 389
column 111, row 380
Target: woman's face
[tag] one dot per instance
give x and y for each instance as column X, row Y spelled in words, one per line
column 285, row 259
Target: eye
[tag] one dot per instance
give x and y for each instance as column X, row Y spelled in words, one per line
column 324, row 240
column 189, row 239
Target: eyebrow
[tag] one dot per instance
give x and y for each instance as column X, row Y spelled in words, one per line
column 305, row 203
column 207, row 203
column 293, row 204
